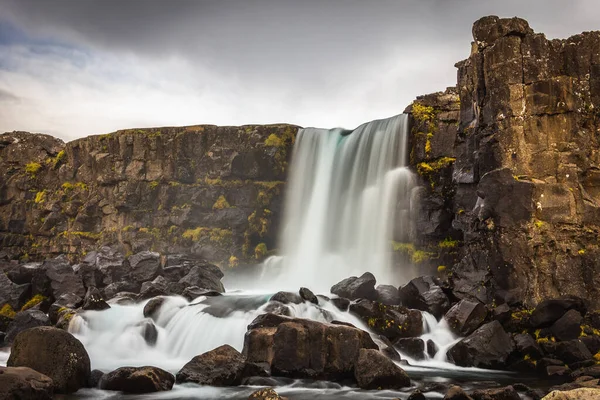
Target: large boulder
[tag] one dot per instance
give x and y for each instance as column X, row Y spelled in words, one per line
column 287, row 298
column 391, row 321
column 112, row 265
column 373, row 370
column 488, row 29
column 456, row 393
column 94, row 300
column 11, row 293
column 62, row 278
column 423, row 293
column 549, row 311
column 487, row 347
column 55, row 353
column 411, row 347
column 388, row 295
column 567, row 327
column 25, row 320
column 465, row 316
column 223, row 366
column 206, row 276
column 575, row 394
column 144, row 266
column 308, row 295
column 137, row 380
column 354, row 288
column 24, row 383
column 301, row 348
column 569, row 352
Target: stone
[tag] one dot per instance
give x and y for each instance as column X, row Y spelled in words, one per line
column 465, row 316
column 24, row 383
column 94, row 301
column 576, row 394
column 152, row 307
column 55, row 353
column 505, row 393
column 62, row 278
column 488, row 347
column 148, row 331
column 417, row 395
column 193, row 292
column 287, row 298
column 145, row 266
column 308, row 295
column 341, row 303
column 592, row 343
column 375, row 371
column 567, row 327
column 11, row 293
column 95, row 378
column 23, row 321
column 423, row 293
column 137, row 380
column 388, row 295
column 204, row 276
column 456, row 393
column 489, row 29
column 265, row 394
column 391, row 321
column 354, row 288
column 411, row 347
column 222, row 366
column 569, row 352
column 550, row 311
column 114, row 288
column 525, row 344
column 157, row 287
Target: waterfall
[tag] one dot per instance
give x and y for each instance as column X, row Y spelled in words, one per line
column 347, row 191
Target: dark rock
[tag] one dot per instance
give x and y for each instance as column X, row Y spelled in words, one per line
column 375, row 371
column 550, row 311
column 391, row 321
column 144, row 266
column 488, row 29
column 55, row 353
column 204, row 276
column 287, row 298
column 592, row 318
column 593, row 371
column 62, row 278
column 501, row 313
column 417, row 395
column 193, row 292
column 592, row 343
column 266, row 381
column 11, row 293
column 112, row 289
column 525, row 344
column 275, row 307
column 95, row 378
column 23, row 273
column 568, row 352
column 25, row 320
column 94, row 301
column 354, row 288
column 24, row 383
column 488, row 347
column 148, row 332
column 222, row 366
column 265, row 394
column 431, row 348
column 385, row 346
column 341, row 303
column 112, row 265
column 152, row 307
column 309, row 296
column 388, row 294
column 66, row 301
column 567, row 327
column 158, row 287
column 412, row 347
column 465, row 316
column 505, row 393
column 558, row 372
column 456, row 393
column 423, row 293
column 137, row 380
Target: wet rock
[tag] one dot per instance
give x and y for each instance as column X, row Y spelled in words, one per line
column 152, row 307
column 385, row 346
column 308, row 295
column 24, row 383
column 412, row 347
column 275, row 307
column 488, row 347
column 417, row 395
column 114, row 288
column 388, row 295
column 148, row 332
column 456, row 393
column 375, row 371
column 222, row 366
column 193, row 292
column 592, row 343
column 112, row 265
column 525, row 344
column 25, row 320
column 65, row 315
column 568, row 352
column 11, row 293
column 206, row 276
column 287, row 298
column 137, row 380
column 567, row 327
column 265, row 394
column 62, row 278
column 505, row 393
column 55, row 353
column 431, row 348
column 501, row 313
column 391, row 321
column 354, row 288
column 550, row 311
column 423, row 293
column 558, row 372
column 22, row 274
column 144, row 266
column 94, row 301
column 576, row 394
column 465, row 317
column 95, row 378
column 158, row 287
column 66, row 301
column 341, row 303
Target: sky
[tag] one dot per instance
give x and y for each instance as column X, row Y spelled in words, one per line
column 73, row 68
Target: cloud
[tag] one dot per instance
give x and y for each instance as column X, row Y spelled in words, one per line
column 81, row 67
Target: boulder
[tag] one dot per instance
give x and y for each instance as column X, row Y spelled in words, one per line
column 569, row 352
column 137, row 380
column 465, row 316
column 193, row 292
column 148, row 331
column 456, row 393
column 423, row 293
column 417, row 395
column 287, row 298
column 388, row 295
column 549, row 311
column 354, row 288
column 505, row 393
column 94, row 301
column 567, row 327
column 157, row 287
column 24, row 383
column 308, row 295
column 391, row 321
column 55, row 353
column 206, row 276
column 152, row 307
column 488, row 29
column 114, row 288
column 62, row 278
column 375, row 371
column 266, row 394
column 411, row 347
column 223, row 366
column 575, row 394
column 341, row 303
column 95, row 378
column 592, row 343
column 525, row 344
column 488, row 347
column 11, row 293
column 25, row 320
column 144, row 266
column 112, row 265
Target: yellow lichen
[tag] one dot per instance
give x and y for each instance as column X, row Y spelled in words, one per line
column 581, row 252
column 221, row 203
column 424, row 168
column 422, row 113
column 153, row 185
column 233, row 261
column 34, row 301
column 273, row 140
column 260, row 251
column 58, row 159
column 33, row 168
column 7, row 311
column 40, row 197
column 448, row 243
column 441, row 268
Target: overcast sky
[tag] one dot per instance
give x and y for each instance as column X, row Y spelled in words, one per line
column 74, row 68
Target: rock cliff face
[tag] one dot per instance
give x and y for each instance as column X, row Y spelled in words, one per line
column 510, row 166
column 213, row 191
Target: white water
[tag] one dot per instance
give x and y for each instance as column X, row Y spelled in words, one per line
column 346, row 194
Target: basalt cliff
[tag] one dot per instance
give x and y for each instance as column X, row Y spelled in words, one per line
column 507, row 163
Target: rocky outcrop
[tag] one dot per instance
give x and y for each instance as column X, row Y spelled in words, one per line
column 207, row 190
column 509, row 170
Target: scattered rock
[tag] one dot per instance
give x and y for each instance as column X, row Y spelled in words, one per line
column 341, row 303
column 550, row 311
column 308, row 295
column 157, row 287
column 456, row 393
column 265, row 394
column 412, row 347
column 25, row 320
column 152, row 307
column 11, row 293
column 55, row 353
column 114, row 288
column 287, row 298
column 417, row 395
column 388, row 295
column 391, row 321
column 24, row 383
column 487, row 347
column 205, row 276
column 193, row 292
column 567, row 327
column 423, row 293
column 95, row 378
column 569, row 352
column 526, row 345
column 354, row 288
column 138, row 380
column 144, row 266
column 148, row 332
column 375, row 371
column 222, row 366
column 94, row 301
column 465, row 316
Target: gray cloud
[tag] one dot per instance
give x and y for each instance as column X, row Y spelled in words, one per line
column 310, row 62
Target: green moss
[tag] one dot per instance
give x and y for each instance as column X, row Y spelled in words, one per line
column 154, row 134
column 217, row 235
column 40, row 197
column 405, row 248
column 274, row 141
column 153, row 185
column 416, row 256
column 221, row 203
column 85, row 235
column 420, row 256
column 448, row 243
column 58, row 159
column 441, row 268
column 33, row 168
column 422, row 113
column 434, row 166
column 7, row 311
column 34, row 301
column 233, row 261
column 172, row 229
column 260, row 251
